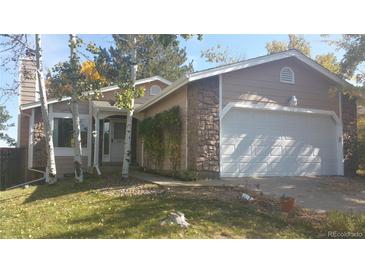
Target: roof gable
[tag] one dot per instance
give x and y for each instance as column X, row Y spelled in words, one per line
column 243, row 65
column 105, row 89
column 266, row 59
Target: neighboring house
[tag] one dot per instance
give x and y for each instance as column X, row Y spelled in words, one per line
column 275, row 115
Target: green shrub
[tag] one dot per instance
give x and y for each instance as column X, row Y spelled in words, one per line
column 162, row 137
column 187, row 175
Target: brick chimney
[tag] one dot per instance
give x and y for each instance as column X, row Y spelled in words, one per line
column 28, row 84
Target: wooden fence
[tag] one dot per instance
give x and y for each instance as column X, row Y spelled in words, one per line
column 12, row 167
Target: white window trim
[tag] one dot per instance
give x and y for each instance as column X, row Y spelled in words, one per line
column 68, row 151
column 292, row 72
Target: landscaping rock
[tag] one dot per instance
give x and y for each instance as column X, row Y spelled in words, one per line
column 134, row 190
column 246, row 197
column 176, row 218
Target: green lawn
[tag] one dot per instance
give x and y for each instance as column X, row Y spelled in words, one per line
column 67, row 210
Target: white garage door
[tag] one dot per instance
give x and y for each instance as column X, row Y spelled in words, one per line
column 277, row 143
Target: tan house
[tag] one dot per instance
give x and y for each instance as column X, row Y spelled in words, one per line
column 276, row 115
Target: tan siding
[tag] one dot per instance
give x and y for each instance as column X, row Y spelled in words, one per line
column 64, row 107
column 110, row 95
column 27, row 82
column 24, row 128
column 65, row 165
column 147, row 96
column 261, row 84
column 178, row 98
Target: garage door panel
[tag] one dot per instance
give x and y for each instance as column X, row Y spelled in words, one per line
column 231, row 167
column 260, row 150
column 308, row 159
column 228, row 149
column 253, row 169
column 270, row 143
column 237, row 159
column 244, row 148
column 276, row 151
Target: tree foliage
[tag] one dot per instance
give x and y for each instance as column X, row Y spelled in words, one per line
column 219, row 55
column 276, row 46
column 329, row 61
column 353, row 61
column 352, row 64
column 4, row 126
column 156, row 55
column 13, row 47
column 295, row 42
column 86, row 75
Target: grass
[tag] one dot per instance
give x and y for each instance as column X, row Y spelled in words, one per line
column 67, row 210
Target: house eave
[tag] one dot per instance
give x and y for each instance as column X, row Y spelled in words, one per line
column 165, row 92
column 106, row 89
column 266, row 59
column 242, row 65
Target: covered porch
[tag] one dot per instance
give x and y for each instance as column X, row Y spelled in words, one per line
column 108, row 125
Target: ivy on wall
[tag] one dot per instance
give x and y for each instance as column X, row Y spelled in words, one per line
column 162, row 137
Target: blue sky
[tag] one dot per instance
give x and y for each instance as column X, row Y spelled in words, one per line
column 55, row 49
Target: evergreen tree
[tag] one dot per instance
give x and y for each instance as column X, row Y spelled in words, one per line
column 4, row 126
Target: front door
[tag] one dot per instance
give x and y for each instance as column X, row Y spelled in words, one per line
column 117, row 141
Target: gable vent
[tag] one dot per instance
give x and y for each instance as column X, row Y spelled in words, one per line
column 287, row 75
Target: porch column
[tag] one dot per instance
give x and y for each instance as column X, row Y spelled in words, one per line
column 89, row 137
column 96, row 144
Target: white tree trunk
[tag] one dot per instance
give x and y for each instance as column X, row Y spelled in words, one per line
column 79, row 175
column 128, row 131
column 51, row 171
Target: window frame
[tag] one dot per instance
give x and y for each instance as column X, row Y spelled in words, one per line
column 69, row 151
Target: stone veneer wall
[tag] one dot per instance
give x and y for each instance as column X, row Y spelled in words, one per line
column 39, row 141
column 349, row 120
column 203, row 127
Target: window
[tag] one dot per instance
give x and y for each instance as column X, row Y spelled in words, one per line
column 106, row 136
column 287, row 75
column 155, row 89
column 63, row 132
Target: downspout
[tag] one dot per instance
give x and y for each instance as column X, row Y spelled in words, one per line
column 32, row 181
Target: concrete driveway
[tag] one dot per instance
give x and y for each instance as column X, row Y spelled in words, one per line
column 317, row 193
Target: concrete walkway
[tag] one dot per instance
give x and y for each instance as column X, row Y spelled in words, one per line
column 317, row 193
column 166, row 181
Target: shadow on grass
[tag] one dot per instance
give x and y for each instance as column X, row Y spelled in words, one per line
column 68, row 186
column 141, row 217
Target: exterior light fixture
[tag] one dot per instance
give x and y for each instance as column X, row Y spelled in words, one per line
column 293, row 101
